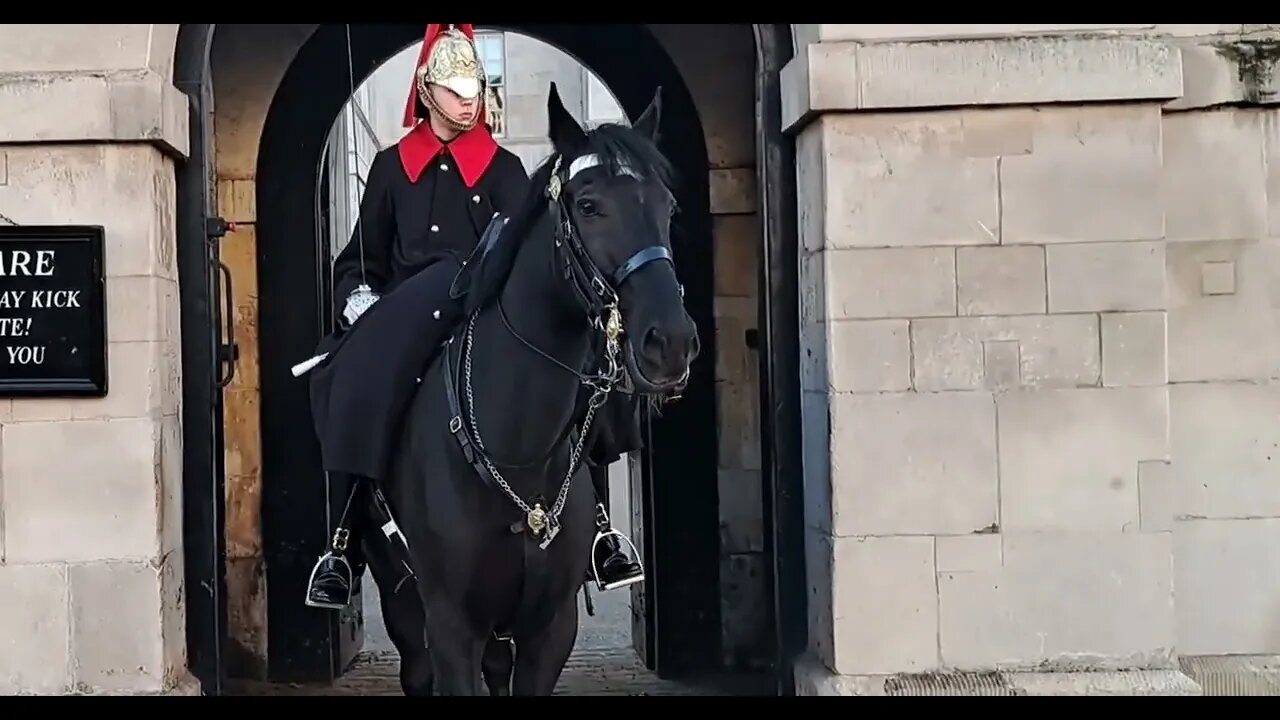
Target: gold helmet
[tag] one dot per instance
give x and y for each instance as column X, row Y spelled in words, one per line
column 448, row 58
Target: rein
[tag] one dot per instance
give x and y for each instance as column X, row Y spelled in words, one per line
column 598, row 297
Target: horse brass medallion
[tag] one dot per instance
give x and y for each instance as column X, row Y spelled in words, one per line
column 537, row 520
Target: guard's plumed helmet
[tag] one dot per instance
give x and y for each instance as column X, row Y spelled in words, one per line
column 449, row 59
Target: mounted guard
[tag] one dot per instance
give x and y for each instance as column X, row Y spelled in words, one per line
column 428, row 202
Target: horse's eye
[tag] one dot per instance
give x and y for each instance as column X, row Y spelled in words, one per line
column 586, row 207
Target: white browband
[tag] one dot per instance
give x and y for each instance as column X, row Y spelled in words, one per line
column 592, row 160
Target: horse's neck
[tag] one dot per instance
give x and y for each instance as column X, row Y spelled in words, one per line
column 524, row 401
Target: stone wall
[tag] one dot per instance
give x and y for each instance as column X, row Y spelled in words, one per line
column 717, row 63
column 91, row 563
column 1038, row 348
column 247, row 64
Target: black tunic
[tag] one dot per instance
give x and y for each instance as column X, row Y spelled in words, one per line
column 418, row 224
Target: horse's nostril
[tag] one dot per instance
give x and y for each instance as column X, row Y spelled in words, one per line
column 655, row 341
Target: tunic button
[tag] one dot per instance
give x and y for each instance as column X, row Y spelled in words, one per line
column 444, row 166
column 475, row 198
column 435, row 228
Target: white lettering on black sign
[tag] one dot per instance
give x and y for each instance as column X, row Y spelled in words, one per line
column 52, row 327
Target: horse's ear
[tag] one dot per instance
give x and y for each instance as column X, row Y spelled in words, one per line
column 649, row 120
column 566, row 135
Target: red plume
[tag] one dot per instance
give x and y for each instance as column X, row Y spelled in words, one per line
column 428, row 40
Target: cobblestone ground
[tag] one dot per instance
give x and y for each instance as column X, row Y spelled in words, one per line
column 602, row 672
column 603, row 662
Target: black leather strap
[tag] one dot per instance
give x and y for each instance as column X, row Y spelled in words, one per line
column 640, row 259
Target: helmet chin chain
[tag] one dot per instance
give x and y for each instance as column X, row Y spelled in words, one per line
column 429, row 99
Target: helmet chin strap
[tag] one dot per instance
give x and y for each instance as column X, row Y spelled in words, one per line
column 429, row 99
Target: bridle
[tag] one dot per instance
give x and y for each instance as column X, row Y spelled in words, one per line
column 597, row 294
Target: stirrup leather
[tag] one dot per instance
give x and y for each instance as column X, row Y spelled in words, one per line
column 315, row 569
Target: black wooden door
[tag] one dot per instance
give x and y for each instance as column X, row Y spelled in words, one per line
column 206, row 366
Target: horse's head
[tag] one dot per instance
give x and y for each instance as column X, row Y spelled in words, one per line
column 613, row 185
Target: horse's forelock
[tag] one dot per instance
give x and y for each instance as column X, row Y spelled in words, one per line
column 624, row 150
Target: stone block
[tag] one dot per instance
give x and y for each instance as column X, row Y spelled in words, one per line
column 1214, row 178
column 879, row 167
column 1000, row 280
column 1228, row 577
column 116, row 631
column 970, row 553
column 741, row 516
column 709, row 60
column 1271, row 152
column 743, row 629
column 1234, row 675
column 1157, row 496
column 913, row 463
column 737, row 246
column 114, row 106
column 73, row 47
column 1106, row 277
column 740, row 436
column 1063, row 601
column 733, row 191
column 1218, row 278
column 815, row 363
column 247, row 616
column 170, row 454
column 736, row 362
column 1125, row 683
column 880, row 32
column 891, row 283
column 1069, row 458
column 869, row 356
column 34, row 653
column 56, row 184
column 1224, row 337
column 819, row 574
column 814, row 297
column 811, row 186
column 1134, row 351
column 885, row 605
column 141, row 308
column 1001, row 364
column 1226, row 443
column 844, row 76
column 140, row 380
column 96, row 476
column 816, row 449
column 1093, row 176
column 1209, row 77
column 1051, row 351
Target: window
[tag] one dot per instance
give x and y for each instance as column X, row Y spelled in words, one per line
column 492, row 50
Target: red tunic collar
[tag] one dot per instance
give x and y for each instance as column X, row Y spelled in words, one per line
column 472, row 151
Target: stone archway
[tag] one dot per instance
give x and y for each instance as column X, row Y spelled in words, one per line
column 245, row 75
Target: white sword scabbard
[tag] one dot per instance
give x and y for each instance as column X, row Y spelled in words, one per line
column 306, row 366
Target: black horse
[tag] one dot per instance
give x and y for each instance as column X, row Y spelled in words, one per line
column 576, row 298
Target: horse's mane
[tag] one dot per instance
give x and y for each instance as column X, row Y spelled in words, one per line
column 617, row 146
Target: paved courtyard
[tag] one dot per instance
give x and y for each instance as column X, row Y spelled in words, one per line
column 603, row 663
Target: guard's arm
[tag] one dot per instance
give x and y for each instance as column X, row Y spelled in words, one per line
column 366, row 258
column 511, row 185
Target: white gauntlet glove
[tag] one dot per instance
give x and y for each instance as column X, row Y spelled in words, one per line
column 360, row 300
